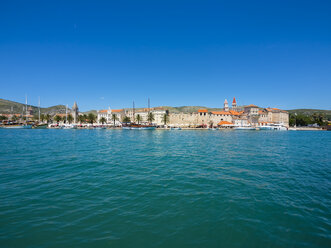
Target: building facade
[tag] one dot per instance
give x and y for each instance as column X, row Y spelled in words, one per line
column 250, row 115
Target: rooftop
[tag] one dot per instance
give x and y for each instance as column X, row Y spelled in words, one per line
column 202, row 111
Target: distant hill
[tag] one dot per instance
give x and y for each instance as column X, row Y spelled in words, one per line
column 7, row 107
column 310, row 112
column 95, row 112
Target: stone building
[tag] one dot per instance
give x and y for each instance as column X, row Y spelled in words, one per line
column 75, row 112
column 158, row 114
column 250, row 115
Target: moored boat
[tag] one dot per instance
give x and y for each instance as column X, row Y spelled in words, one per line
column 276, row 127
column 40, row 126
column 15, row 126
column 245, row 128
column 139, row 127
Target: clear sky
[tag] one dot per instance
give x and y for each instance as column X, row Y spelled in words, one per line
column 109, row 53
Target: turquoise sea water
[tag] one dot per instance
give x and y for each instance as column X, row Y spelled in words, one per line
column 126, row 188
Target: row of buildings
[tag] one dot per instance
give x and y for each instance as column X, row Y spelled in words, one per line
column 250, row 115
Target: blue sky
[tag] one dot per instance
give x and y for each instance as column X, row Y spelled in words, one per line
column 109, row 53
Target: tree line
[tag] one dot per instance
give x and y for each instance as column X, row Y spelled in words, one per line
column 86, row 118
column 305, row 120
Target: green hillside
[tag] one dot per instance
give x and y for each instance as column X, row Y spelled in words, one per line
column 7, row 107
column 310, row 112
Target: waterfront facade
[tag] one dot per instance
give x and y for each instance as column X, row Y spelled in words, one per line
column 249, row 115
column 118, row 115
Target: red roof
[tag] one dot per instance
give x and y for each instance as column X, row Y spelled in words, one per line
column 202, row 111
column 220, row 113
column 251, row 106
column 232, row 112
column 116, row 110
column 103, row 111
column 234, row 100
column 224, row 123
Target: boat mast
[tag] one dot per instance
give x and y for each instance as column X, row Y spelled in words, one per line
column 39, row 108
column 66, row 112
column 149, row 105
column 133, row 111
column 26, row 107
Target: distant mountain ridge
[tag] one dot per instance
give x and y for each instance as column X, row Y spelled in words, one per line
column 8, row 107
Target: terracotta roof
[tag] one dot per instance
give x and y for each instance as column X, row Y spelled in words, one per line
column 220, row 113
column 202, row 111
column 116, row 110
column 234, row 100
column 224, row 123
column 251, row 106
column 232, row 112
column 103, row 111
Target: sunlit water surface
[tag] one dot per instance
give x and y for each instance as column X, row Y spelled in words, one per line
column 125, row 188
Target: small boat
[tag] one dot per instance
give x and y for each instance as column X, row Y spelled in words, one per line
column 40, row 126
column 276, row 127
column 245, row 128
column 139, row 127
column 69, row 126
column 17, row 126
column 175, row 128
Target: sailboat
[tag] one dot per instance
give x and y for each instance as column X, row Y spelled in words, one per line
column 20, row 126
column 134, row 126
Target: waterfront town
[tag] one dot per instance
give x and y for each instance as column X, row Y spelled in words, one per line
column 230, row 116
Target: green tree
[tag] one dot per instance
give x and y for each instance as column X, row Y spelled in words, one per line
column 82, row 118
column 2, row 118
column 48, row 118
column 14, row 118
column 126, row 119
column 42, row 117
column 57, row 118
column 91, row 118
column 150, row 117
column 114, row 118
column 70, row 119
column 103, row 120
column 165, row 119
column 138, row 118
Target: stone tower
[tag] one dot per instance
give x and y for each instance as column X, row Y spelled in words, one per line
column 226, row 105
column 75, row 112
column 234, row 104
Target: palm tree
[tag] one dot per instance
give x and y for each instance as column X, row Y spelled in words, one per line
column 114, row 118
column 126, row 119
column 103, row 120
column 150, row 117
column 48, row 118
column 81, row 118
column 57, row 118
column 70, row 118
column 138, row 118
column 165, row 119
column 14, row 118
column 42, row 117
column 2, row 117
column 91, row 118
